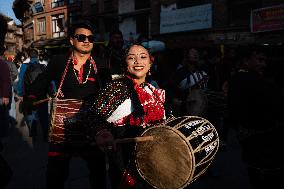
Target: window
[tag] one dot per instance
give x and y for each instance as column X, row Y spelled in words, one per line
column 37, row 7
column 41, row 26
column 142, row 4
column 57, row 3
column 58, row 26
column 142, row 24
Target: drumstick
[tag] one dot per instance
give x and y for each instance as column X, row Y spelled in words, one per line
column 40, row 101
column 127, row 140
column 135, row 139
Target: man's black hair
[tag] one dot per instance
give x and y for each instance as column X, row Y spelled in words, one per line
column 81, row 24
column 33, row 53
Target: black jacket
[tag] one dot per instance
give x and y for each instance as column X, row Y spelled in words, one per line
column 70, row 87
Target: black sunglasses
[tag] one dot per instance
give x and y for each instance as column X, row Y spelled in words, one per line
column 82, row 38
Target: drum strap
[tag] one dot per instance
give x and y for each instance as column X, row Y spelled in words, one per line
column 59, row 92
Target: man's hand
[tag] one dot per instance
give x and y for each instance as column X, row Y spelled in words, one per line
column 20, row 98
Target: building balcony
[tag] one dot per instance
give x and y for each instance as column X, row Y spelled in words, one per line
column 10, row 40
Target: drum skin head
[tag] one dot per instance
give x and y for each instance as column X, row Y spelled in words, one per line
column 166, row 162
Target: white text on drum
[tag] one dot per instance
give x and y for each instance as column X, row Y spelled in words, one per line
column 191, row 124
column 201, row 130
column 208, row 137
column 210, row 147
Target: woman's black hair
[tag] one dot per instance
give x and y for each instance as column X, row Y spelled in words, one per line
column 126, row 51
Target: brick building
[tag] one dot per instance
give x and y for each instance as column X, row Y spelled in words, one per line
column 13, row 39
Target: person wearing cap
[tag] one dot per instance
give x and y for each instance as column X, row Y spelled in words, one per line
column 75, row 76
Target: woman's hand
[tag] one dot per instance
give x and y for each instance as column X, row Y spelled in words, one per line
column 104, row 139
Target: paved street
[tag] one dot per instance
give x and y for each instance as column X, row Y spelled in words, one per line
column 28, row 160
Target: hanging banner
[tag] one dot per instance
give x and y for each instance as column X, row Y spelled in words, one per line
column 187, row 19
column 267, row 19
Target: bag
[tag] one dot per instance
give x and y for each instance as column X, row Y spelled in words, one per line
column 31, row 73
column 5, row 172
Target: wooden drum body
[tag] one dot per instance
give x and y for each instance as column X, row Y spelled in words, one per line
column 66, row 116
column 182, row 150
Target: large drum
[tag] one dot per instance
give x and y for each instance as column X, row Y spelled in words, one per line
column 66, row 119
column 182, row 150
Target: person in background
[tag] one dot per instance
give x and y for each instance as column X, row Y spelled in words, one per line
column 21, row 89
column 41, row 58
column 25, row 59
column 188, row 81
column 13, row 76
column 255, row 103
column 124, row 108
column 40, row 114
column 18, row 60
column 114, row 54
column 5, row 84
column 5, row 94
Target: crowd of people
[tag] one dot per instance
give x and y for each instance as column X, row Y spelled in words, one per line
column 117, row 92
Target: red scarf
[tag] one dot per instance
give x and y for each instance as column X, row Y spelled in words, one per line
column 153, row 106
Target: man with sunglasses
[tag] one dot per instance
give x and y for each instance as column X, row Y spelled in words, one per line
column 75, row 76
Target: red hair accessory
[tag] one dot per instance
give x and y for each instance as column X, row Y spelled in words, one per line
column 152, row 58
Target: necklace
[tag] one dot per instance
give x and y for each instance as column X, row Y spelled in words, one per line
column 92, row 62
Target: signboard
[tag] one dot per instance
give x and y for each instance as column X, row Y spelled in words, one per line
column 267, row 19
column 192, row 18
